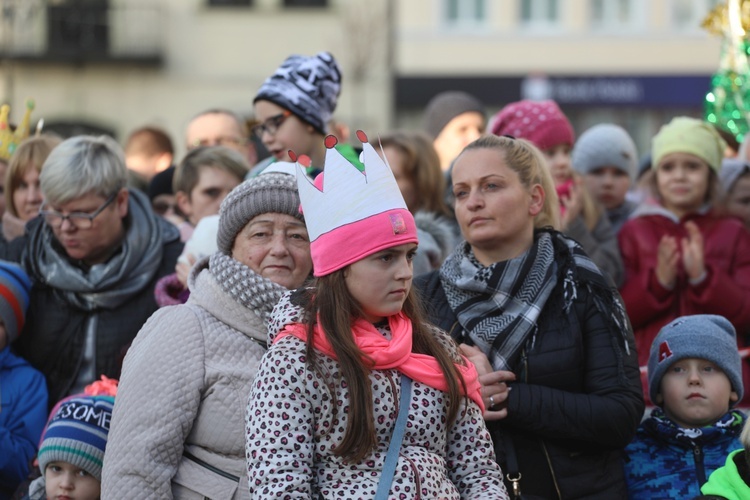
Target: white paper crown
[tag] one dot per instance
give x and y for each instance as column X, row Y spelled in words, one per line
column 347, row 194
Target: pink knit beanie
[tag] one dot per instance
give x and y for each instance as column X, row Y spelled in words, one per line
column 541, row 122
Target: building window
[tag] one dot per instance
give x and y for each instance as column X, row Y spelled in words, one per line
column 459, row 12
column 305, row 3
column 540, row 13
column 614, row 15
column 687, row 15
column 230, row 3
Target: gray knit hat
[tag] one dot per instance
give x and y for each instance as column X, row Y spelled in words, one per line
column 605, row 145
column 273, row 191
column 445, row 106
column 731, row 170
column 704, row 336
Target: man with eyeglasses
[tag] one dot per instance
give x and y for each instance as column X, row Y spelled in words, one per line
column 94, row 256
column 220, row 127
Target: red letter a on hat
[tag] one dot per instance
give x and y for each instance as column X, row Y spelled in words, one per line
column 664, row 351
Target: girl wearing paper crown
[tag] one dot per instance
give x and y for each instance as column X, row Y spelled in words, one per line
column 681, row 257
column 357, row 395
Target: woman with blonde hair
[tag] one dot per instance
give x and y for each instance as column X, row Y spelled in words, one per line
column 546, row 330
column 23, row 196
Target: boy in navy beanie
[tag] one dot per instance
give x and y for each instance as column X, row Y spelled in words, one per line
column 23, row 391
column 695, row 376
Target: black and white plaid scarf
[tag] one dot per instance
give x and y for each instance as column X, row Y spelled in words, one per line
column 499, row 305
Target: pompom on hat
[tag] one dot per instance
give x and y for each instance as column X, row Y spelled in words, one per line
column 350, row 213
column 445, row 106
column 273, row 191
column 605, row 145
column 540, row 122
column 309, row 87
column 689, row 135
column 703, row 336
column 15, row 287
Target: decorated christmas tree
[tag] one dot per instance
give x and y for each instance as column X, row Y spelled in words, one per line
column 728, row 103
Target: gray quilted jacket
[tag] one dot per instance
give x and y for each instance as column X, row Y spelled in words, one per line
column 178, row 424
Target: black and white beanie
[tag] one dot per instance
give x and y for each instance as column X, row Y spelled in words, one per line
column 309, row 87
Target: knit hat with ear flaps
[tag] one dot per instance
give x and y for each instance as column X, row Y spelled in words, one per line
column 540, row 122
column 704, row 336
column 77, row 434
column 15, row 287
column 445, row 106
column 309, row 87
column 273, row 191
column 692, row 136
column 605, row 145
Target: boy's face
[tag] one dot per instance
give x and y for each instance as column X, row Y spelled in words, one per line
column 695, row 393
column 65, row 481
column 608, row 186
column 214, row 184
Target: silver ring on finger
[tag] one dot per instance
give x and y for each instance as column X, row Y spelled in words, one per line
column 492, row 401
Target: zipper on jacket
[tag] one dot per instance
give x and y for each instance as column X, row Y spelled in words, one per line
column 210, row 467
column 418, row 487
column 699, row 465
column 551, row 469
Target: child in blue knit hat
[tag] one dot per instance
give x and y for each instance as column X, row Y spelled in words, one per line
column 23, row 390
column 71, row 454
column 695, row 376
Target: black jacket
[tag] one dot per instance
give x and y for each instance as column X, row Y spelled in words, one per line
column 575, row 405
column 54, row 334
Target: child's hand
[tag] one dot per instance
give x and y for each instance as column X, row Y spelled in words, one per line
column 667, row 258
column 573, row 202
column 692, row 252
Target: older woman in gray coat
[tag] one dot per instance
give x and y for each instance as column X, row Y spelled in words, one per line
column 178, row 426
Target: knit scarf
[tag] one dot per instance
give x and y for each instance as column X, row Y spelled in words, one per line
column 499, row 305
column 109, row 284
column 244, row 285
column 394, row 354
column 729, row 426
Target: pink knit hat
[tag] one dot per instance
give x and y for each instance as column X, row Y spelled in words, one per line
column 541, row 122
column 351, row 214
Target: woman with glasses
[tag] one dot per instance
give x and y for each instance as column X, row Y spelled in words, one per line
column 293, row 108
column 23, row 197
column 93, row 258
column 546, row 330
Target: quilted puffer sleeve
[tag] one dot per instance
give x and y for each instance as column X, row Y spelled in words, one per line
column 157, row 400
column 280, row 427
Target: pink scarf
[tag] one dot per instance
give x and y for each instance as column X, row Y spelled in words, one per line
column 393, row 354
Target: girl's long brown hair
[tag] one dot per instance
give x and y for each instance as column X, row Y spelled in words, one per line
column 337, row 310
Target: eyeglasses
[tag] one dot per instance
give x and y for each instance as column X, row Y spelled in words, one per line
column 222, row 140
column 272, row 124
column 80, row 220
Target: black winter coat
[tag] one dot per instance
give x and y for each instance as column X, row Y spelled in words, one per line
column 576, row 402
column 55, row 331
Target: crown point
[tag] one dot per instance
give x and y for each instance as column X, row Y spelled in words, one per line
column 362, row 136
column 304, row 160
column 30, row 103
column 292, row 155
column 331, row 141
